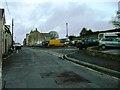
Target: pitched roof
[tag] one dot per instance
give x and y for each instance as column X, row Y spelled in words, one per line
column 2, row 15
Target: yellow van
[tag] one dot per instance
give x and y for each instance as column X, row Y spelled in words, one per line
column 55, row 43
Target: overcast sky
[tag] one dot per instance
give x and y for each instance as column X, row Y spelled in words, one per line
column 52, row 15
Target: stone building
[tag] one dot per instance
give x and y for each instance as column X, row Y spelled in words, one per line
column 5, row 34
column 35, row 38
column 2, row 23
column 7, row 38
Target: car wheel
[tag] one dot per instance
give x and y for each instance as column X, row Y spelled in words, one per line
column 85, row 47
column 103, row 47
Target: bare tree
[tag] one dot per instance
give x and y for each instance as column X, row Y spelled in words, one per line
column 116, row 19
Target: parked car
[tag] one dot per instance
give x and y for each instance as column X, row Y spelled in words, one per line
column 45, row 43
column 73, row 42
column 109, row 42
column 17, row 46
column 65, row 41
column 86, row 43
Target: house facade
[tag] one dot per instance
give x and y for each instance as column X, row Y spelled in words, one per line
column 35, row 38
column 7, row 38
column 5, row 34
column 2, row 23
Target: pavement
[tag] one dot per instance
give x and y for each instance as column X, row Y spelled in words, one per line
column 113, row 51
column 101, row 64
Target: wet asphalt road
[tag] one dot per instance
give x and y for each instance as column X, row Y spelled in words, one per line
column 41, row 68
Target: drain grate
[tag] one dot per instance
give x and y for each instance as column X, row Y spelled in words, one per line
column 65, row 77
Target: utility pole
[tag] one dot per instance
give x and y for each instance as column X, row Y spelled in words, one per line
column 12, row 30
column 66, row 29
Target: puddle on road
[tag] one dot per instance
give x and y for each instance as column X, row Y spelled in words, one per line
column 65, row 77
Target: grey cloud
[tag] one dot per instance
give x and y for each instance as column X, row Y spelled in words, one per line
column 28, row 16
column 61, row 15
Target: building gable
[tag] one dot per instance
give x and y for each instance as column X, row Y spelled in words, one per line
column 2, row 15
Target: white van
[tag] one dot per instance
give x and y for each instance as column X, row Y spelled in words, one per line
column 108, row 35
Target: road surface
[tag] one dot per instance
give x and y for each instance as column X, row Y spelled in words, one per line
column 43, row 68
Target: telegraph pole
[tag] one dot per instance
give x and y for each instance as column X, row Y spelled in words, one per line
column 12, row 30
column 66, row 29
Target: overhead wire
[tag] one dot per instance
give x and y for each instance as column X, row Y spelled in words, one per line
column 7, row 8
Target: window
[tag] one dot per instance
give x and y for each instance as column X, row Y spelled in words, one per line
column 106, row 39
